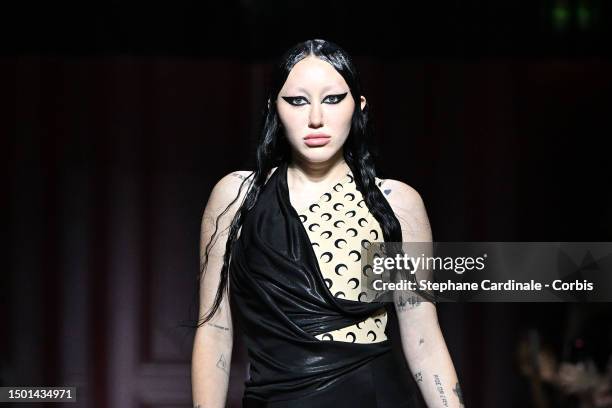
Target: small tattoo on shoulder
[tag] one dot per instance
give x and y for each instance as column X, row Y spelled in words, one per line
column 418, row 377
column 216, row 326
column 387, row 191
column 240, row 176
column 421, row 341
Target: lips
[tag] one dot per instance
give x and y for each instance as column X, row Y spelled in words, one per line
column 319, row 141
column 315, row 140
column 316, row 136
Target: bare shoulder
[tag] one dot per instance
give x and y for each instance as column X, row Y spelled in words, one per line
column 408, row 206
column 399, row 193
column 228, row 191
column 231, row 182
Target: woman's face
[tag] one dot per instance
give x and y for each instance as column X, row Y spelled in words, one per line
column 315, row 107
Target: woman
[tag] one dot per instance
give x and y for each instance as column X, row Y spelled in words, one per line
column 293, row 230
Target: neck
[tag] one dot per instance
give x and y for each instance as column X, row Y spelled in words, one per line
column 305, row 172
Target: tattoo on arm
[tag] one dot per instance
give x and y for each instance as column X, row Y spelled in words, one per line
column 240, row 176
column 458, row 393
column 216, row 326
column 421, row 341
column 440, row 390
column 222, row 364
column 407, row 302
column 418, row 377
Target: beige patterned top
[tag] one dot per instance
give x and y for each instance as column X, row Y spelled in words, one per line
column 339, row 224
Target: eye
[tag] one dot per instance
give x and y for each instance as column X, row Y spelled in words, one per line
column 334, row 99
column 295, row 100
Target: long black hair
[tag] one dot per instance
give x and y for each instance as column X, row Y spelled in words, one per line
column 273, row 150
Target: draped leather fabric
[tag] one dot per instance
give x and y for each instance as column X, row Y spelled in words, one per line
column 280, row 301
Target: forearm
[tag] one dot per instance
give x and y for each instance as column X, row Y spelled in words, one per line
column 427, row 354
column 210, row 368
column 433, row 369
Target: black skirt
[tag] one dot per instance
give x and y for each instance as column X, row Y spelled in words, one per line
column 376, row 384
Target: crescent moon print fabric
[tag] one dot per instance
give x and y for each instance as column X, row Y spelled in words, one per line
column 339, row 225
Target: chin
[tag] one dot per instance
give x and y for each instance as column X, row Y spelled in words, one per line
column 319, row 155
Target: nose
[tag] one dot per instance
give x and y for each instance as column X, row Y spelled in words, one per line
column 315, row 118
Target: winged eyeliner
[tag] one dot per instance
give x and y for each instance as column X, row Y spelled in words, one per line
column 293, row 99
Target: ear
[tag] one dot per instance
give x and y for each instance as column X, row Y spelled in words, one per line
column 363, row 102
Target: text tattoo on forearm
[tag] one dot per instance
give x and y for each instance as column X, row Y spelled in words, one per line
column 440, row 390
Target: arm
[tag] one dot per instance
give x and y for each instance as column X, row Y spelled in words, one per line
column 212, row 348
column 422, row 340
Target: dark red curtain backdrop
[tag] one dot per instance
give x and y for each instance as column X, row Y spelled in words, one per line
column 110, row 161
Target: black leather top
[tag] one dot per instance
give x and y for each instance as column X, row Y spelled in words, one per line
column 280, row 301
